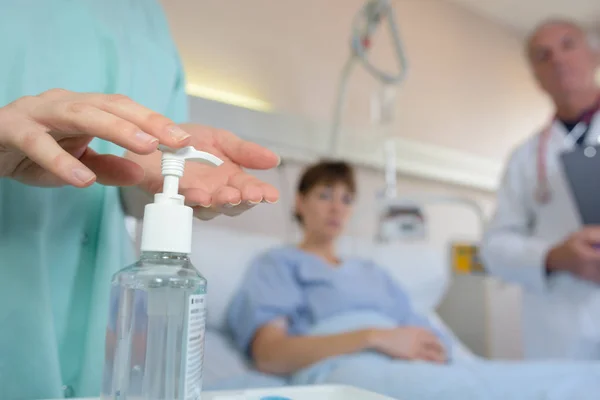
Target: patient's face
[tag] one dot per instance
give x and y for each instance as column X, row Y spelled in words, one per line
column 562, row 58
column 325, row 210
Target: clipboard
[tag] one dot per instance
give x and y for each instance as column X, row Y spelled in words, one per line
column 582, row 170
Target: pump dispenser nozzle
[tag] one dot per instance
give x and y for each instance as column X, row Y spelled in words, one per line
column 167, row 223
column 173, row 163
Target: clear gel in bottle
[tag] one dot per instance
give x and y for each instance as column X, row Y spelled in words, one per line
column 155, row 333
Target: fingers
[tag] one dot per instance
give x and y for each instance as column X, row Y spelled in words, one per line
column 112, row 117
column 252, row 189
column 78, row 117
column 246, row 154
column 434, row 344
column 436, row 356
column 590, row 234
column 225, row 201
column 227, row 197
column 587, row 253
column 197, row 197
column 112, row 170
column 432, row 349
column 147, row 120
column 41, row 148
column 248, row 186
column 239, row 193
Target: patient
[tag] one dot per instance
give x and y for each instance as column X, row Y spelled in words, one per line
column 308, row 314
column 290, row 289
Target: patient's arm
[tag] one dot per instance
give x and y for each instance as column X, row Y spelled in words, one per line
column 276, row 352
column 409, row 343
column 428, row 342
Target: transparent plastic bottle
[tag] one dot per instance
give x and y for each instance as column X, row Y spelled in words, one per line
column 155, row 341
column 155, row 333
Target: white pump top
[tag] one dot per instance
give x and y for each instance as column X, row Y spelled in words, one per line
column 168, row 221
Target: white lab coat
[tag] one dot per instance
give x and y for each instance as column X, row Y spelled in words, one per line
column 561, row 313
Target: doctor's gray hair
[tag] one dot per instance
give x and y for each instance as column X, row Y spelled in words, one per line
column 593, row 37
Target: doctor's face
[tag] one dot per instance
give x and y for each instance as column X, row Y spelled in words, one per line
column 562, row 59
column 325, row 210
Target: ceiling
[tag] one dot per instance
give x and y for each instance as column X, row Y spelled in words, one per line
column 523, row 15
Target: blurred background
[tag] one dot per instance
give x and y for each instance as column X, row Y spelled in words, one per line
column 270, row 71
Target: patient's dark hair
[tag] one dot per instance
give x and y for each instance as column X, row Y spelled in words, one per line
column 326, row 172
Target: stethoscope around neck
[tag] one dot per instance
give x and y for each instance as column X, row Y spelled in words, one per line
column 542, row 193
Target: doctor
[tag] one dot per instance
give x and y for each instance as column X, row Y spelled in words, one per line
column 535, row 237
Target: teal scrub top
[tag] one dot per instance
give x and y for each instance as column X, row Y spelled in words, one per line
column 59, row 247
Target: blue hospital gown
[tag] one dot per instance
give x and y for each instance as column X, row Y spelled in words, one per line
column 59, row 247
column 302, row 288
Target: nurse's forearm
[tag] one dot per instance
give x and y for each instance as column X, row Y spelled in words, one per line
column 288, row 354
column 134, row 199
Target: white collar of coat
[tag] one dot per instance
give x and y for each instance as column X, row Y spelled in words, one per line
column 559, row 133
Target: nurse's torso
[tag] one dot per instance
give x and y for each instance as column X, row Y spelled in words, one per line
column 557, row 323
column 59, row 247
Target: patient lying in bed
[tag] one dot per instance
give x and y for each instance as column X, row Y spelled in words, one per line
column 288, row 292
column 304, row 313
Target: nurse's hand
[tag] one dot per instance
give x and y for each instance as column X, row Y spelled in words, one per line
column 211, row 191
column 44, row 139
column 578, row 255
column 410, row 343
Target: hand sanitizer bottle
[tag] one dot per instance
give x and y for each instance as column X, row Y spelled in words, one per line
column 155, row 333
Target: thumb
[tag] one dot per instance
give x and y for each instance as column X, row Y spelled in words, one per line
column 112, row 170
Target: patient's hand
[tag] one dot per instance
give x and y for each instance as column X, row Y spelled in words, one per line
column 409, row 343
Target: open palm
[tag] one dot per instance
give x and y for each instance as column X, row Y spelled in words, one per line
column 211, row 191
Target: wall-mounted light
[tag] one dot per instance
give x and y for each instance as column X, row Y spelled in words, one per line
column 222, row 96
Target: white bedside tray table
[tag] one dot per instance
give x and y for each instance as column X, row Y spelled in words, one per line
column 316, row 392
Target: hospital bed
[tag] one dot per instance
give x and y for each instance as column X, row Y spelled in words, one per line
column 223, row 254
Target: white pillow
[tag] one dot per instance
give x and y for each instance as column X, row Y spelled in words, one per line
column 422, row 270
column 223, row 255
column 221, row 360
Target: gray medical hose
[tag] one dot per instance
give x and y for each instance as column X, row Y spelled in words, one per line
column 339, row 104
column 364, row 25
column 374, row 11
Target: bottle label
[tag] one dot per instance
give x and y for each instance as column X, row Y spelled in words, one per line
column 195, row 346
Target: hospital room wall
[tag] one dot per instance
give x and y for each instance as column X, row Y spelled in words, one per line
column 468, row 86
column 445, row 221
column 468, row 89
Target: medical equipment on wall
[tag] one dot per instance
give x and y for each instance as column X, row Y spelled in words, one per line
column 402, row 217
column 396, row 217
column 399, row 219
column 363, row 28
column 465, row 258
column 155, row 333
